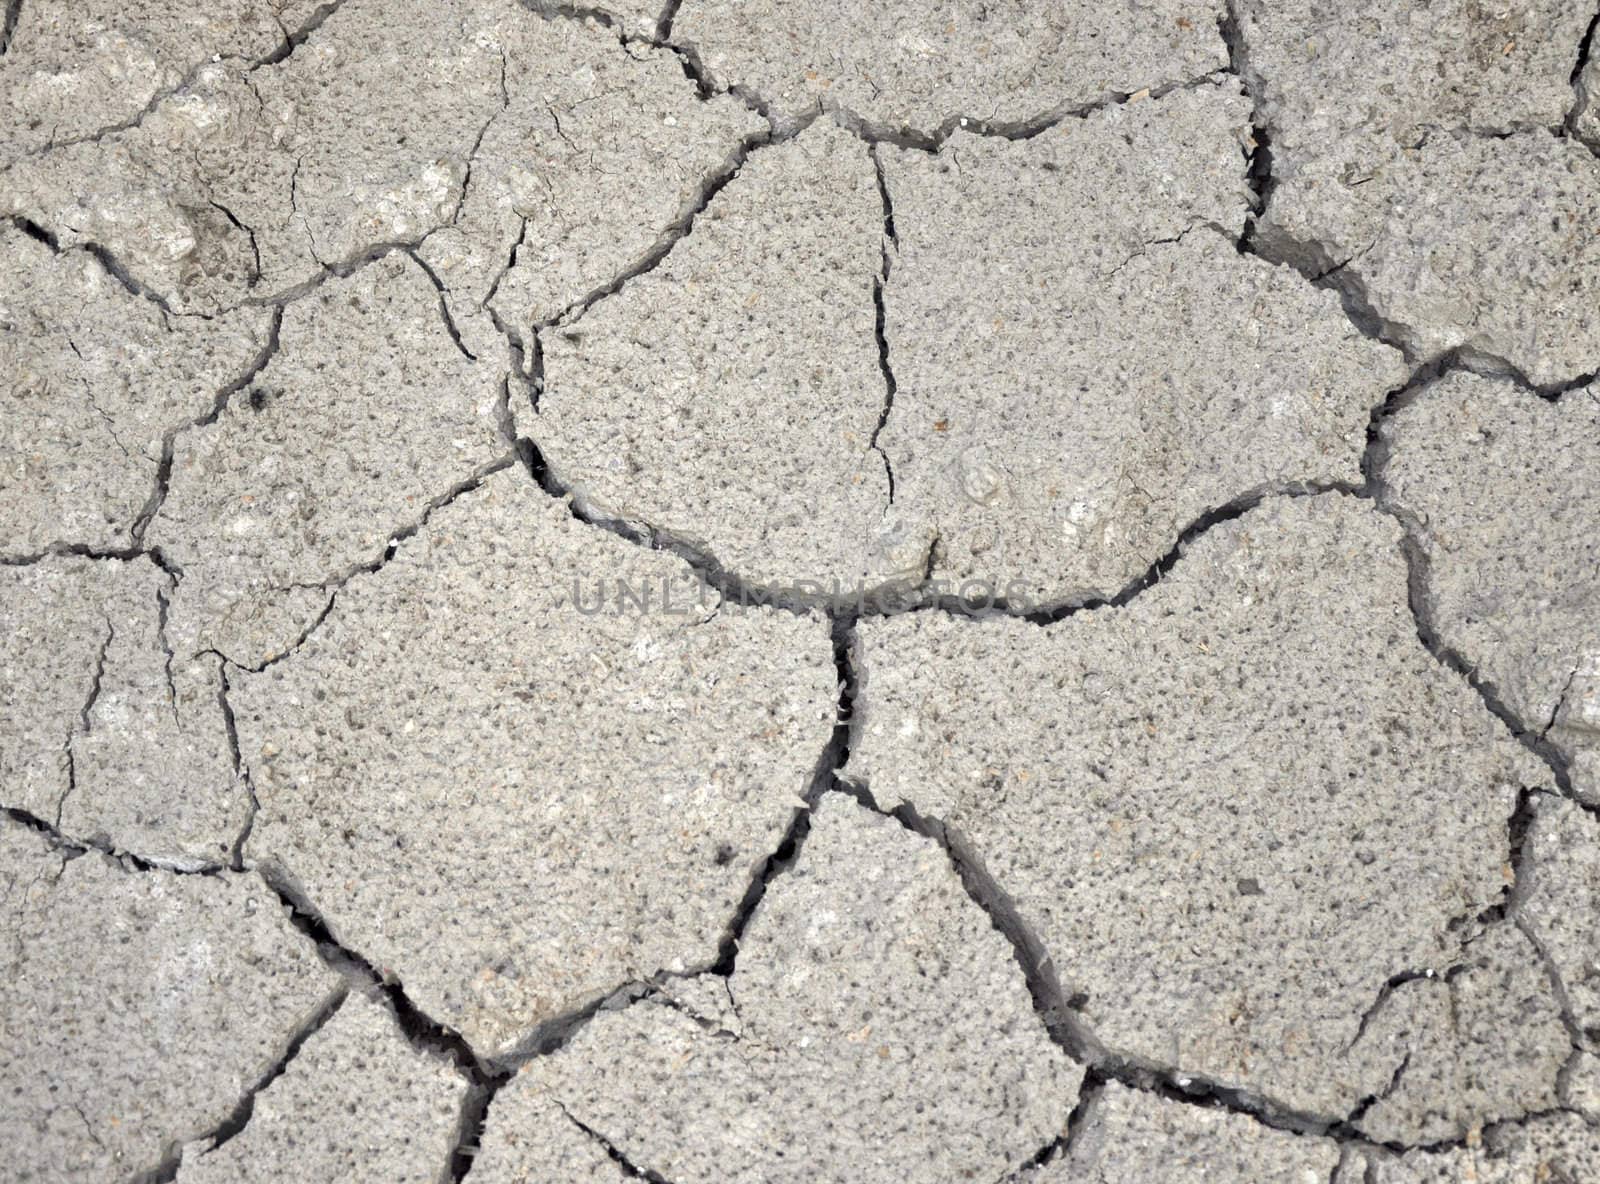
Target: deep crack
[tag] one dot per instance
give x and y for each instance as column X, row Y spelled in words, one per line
column 8, row 29
column 1059, row 1014
column 421, row 1031
column 887, row 371
column 1580, row 91
column 835, row 754
column 1258, row 151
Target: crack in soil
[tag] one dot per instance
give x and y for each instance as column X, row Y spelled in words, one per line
column 1059, row 1017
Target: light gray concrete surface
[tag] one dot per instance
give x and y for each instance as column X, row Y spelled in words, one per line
column 1441, row 241
column 1493, row 1006
column 1015, row 340
column 923, row 68
column 293, row 487
column 596, row 158
column 515, row 805
column 78, row 70
column 1495, row 482
column 1548, row 1150
column 728, row 398
column 109, row 736
column 1579, row 1086
column 1230, row 810
column 1122, row 1136
column 1585, row 113
column 723, row 590
column 356, row 1104
column 135, row 1006
column 536, row 1138
column 1346, row 86
column 96, row 379
column 1410, row 152
column 250, row 178
column 817, row 1070
column 1560, row 896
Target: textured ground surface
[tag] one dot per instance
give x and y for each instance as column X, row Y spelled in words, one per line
column 791, row 590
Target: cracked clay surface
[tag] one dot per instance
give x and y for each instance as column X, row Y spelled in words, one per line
column 776, row 591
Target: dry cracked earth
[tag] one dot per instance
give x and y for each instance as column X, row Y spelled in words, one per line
column 795, row 591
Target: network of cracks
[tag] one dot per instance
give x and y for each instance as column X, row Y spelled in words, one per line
column 685, row 600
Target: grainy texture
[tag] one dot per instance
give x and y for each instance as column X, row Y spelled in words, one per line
column 516, row 805
column 1037, row 436
column 1560, row 896
column 96, row 379
column 871, row 1086
column 1501, row 489
column 81, row 69
column 781, row 590
column 925, row 67
column 1549, row 1150
column 1442, row 243
column 248, row 181
column 1125, row 1137
column 1344, row 82
column 1494, row 1007
column 108, row 736
column 1230, row 810
column 728, row 397
column 356, row 1104
column 597, row 156
column 1586, row 114
column 1420, row 157
column 181, row 991
column 295, row 486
